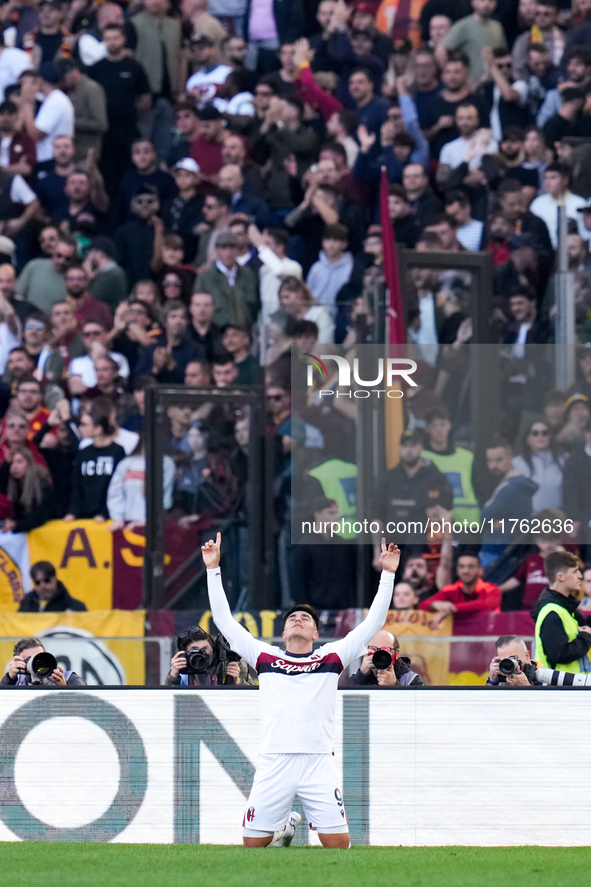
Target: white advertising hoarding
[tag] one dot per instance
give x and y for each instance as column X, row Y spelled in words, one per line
column 424, row 768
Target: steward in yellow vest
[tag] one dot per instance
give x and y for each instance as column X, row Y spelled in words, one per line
column 563, row 635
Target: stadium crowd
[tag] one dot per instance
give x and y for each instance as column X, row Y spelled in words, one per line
column 188, row 189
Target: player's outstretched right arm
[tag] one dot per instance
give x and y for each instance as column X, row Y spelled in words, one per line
column 355, row 643
column 240, row 640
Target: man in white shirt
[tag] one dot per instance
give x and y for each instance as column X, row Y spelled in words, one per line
column 209, row 74
column 271, row 246
column 297, row 690
column 54, row 118
column 82, row 371
column 470, row 146
column 12, row 64
column 556, row 184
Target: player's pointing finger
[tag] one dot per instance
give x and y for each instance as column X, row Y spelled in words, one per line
column 218, row 540
column 384, row 548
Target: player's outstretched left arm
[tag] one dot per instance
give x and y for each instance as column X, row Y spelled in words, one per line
column 355, row 643
column 237, row 636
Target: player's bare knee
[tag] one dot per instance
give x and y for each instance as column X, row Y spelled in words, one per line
column 257, row 842
column 335, row 841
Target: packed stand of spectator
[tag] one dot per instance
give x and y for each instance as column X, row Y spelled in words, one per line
column 188, row 189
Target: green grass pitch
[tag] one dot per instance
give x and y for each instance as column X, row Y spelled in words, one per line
column 163, row 865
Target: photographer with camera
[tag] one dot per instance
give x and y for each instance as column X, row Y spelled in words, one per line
column 383, row 666
column 32, row 665
column 512, row 666
column 204, row 661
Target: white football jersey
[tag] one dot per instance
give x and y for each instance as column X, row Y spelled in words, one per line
column 298, row 691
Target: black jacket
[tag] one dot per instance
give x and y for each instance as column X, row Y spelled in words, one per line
column 555, row 642
column 405, row 498
column 62, row 601
column 405, row 676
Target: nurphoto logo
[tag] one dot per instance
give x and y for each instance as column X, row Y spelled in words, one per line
column 390, row 372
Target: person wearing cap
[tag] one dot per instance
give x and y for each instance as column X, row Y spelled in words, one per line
column 233, row 287
column 107, row 282
column 206, row 149
column 209, row 73
column 54, row 118
column 90, row 108
column 128, row 97
column 557, row 185
column 134, row 239
column 414, row 485
column 181, row 214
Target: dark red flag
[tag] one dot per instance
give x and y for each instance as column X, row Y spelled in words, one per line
column 397, row 331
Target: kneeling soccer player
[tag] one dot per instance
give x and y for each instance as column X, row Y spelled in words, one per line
column 298, row 690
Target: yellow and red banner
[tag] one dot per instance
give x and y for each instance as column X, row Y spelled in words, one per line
column 103, row 647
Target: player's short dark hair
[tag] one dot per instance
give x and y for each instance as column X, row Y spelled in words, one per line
column 557, row 562
column 43, row 568
column 302, row 608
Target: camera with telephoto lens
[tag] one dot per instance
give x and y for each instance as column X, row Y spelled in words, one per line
column 40, row 667
column 511, row 666
column 198, row 661
column 381, row 659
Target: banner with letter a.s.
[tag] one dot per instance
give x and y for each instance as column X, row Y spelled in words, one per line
column 82, row 554
column 86, row 643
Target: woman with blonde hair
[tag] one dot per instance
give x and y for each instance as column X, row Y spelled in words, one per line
column 298, row 303
column 28, row 487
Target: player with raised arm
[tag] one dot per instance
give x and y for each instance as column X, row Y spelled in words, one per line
column 298, row 691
